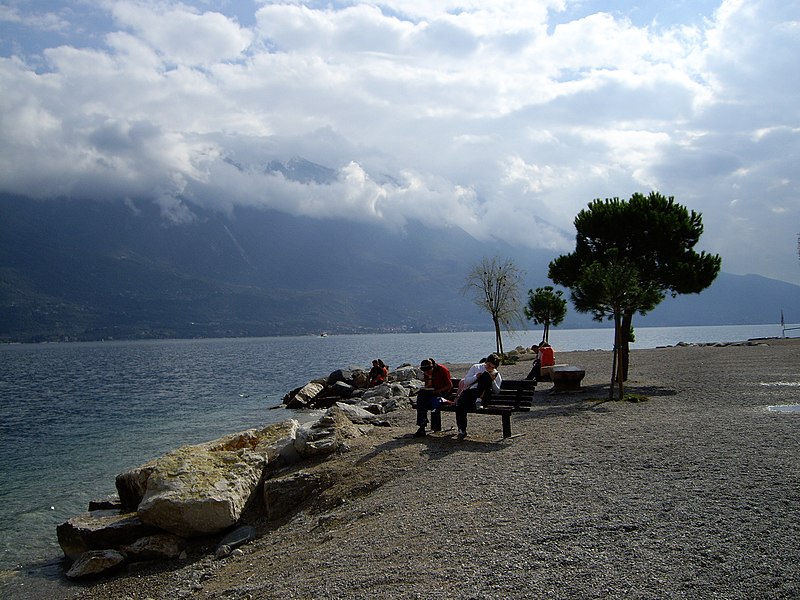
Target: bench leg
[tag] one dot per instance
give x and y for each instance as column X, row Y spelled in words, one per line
column 436, row 421
column 506, row 425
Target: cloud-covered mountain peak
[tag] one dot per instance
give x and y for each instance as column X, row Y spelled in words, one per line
column 303, row 171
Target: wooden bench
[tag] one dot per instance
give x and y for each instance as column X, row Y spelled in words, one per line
column 515, row 395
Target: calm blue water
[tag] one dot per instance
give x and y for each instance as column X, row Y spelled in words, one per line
column 72, row 416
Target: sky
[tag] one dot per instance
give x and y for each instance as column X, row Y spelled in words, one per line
column 504, row 118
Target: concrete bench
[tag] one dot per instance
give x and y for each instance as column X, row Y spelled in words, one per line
column 546, row 373
column 566, row 378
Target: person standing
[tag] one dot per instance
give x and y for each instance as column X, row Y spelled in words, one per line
column 437, row 385
column 480, row 382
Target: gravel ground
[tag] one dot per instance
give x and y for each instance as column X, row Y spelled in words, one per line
column 694, row 493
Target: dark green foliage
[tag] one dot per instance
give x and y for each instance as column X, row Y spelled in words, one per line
column 646, row 246
column 654, row 232
column 546, row 306
column 611, row 289
column 635, row 398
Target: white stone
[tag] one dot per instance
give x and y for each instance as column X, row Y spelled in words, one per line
column 203, row 489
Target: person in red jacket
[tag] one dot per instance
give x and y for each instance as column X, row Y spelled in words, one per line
column 378, row 373
column 437, row 386
column 546, row 355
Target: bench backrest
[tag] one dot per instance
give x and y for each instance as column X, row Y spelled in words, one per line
column 516, row 393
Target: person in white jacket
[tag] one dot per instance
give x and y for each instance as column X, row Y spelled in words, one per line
column 479, row 383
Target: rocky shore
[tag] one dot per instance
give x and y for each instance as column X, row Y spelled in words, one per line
column 692, row 494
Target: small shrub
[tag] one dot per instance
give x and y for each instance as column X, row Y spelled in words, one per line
column 636, row 398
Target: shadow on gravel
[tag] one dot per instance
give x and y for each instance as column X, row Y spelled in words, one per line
column 436, row 445
column 650, row 390
column 446, row 442
column 592, row 398
column 567, row 404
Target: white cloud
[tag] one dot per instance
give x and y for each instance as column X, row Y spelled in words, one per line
column 41, row 21
column 182, row 35
column 493, row 116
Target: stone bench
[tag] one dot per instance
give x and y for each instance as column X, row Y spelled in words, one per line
column 566, row 378
column 546, row 373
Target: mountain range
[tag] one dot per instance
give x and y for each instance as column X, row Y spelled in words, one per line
column 84, row 270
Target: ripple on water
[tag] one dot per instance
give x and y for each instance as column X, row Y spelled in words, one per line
column 785, row 408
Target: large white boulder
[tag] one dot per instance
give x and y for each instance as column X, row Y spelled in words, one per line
column 203, row 489
column 195, row 491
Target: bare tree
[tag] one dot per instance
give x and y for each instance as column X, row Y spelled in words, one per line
column 494, row 284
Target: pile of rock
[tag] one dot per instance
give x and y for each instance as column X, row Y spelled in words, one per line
column 196, row 491
column 203, row 489
column 349, row 386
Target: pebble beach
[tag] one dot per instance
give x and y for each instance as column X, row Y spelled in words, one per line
column 693, row 493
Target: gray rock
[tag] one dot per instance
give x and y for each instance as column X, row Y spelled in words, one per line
column 95, row 563
column 357, row 414
column 343, row 375
column 405, row 373
column 360, row 378
column 161, row 546
column 340, row 389
column 109, row 503
column 196, row 491
column 383, row 390
column 100, row 529
column 132, row 485
column 327, row 435
column 303, row 397
column 237, row 537
column 284, row 494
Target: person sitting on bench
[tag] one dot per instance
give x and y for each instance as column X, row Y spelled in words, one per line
column 536, row 367
column 546, row 355
column 480, row 381
column 437, row 385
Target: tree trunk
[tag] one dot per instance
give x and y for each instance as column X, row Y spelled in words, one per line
column 498, row 338
column 613, row 373
column 625, row 351
column 546, row 333
column 623, row 366
column 615, row 357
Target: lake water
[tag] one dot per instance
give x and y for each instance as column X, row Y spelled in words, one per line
column 72, row 416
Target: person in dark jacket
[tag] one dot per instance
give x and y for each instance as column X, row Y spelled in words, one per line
column 437, row 387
